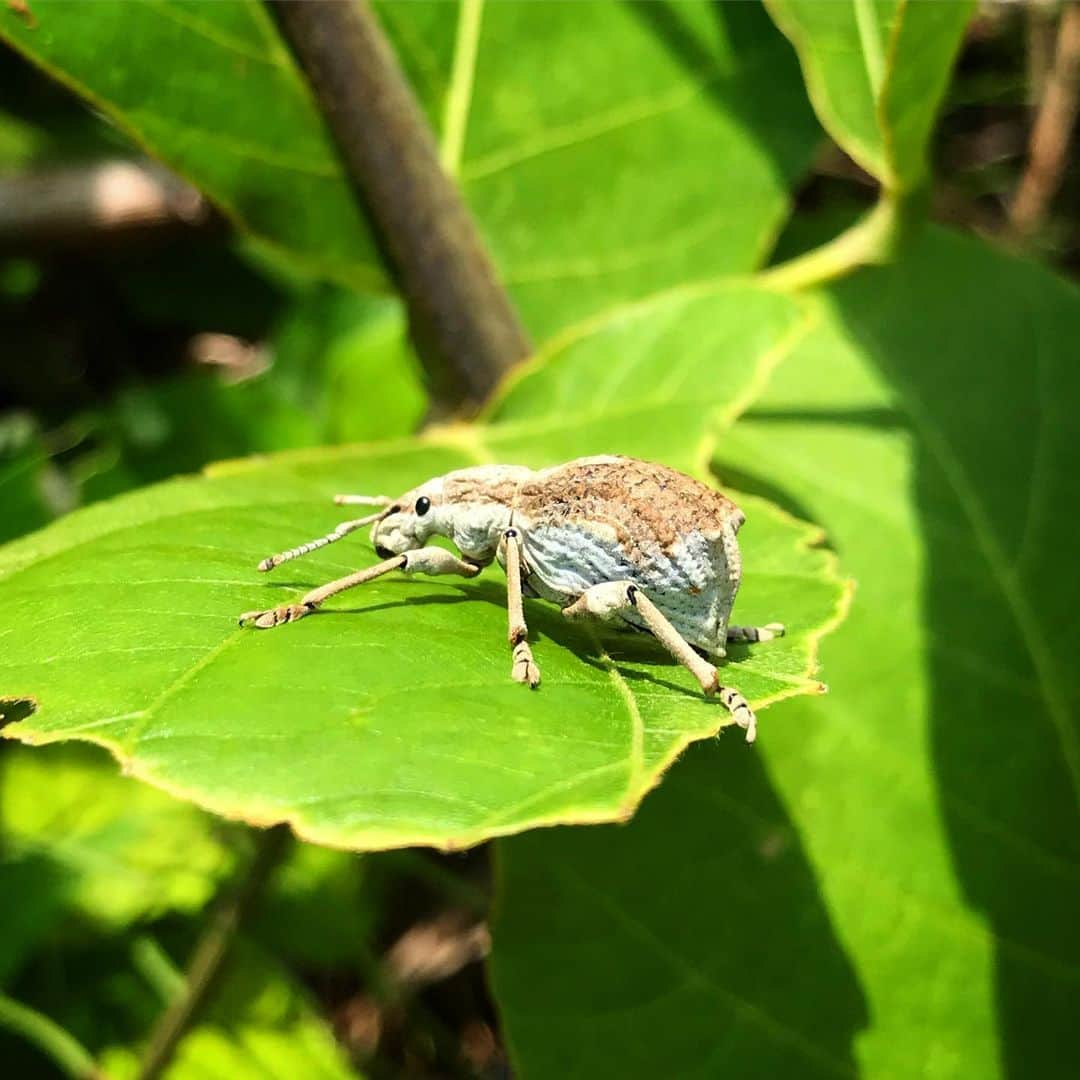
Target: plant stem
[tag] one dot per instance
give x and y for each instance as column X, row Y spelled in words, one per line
column 870, row 240
column 1049, row 146
column 62, row 1048
column 77, row 206
column 462, row 321
column 211, row 950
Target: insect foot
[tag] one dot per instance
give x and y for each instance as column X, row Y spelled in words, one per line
column 740, row 711
column 525, row 669
column 755, row 633
column 264, row 620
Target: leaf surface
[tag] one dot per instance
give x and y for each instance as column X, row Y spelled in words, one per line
column 390, row 719
column 211, row 89
column 919, row 826
column 876, row 71
column 85, row 846
column 557, row 130
column 612, row 150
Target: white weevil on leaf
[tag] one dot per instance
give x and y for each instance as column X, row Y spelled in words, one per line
column 611, row 537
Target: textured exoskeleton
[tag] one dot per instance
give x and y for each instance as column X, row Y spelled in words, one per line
column 611, row 537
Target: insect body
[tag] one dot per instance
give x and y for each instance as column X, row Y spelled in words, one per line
column 608, row 537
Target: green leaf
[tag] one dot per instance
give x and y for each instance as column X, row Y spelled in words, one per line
column 611, row 150
column 345, row 361
column 731, row 968
column 557, row 131
column 123, row 851
column 398, row 724
column 918, row 827
column 233, row 114
column 876, row 71
column 86, row 848
column 259, row 1023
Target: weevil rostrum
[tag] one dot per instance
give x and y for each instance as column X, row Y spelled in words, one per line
column 609, row 537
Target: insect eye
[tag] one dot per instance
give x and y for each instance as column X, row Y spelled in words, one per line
column 423, row 505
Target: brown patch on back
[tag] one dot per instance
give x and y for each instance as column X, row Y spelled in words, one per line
column 485, row 484
column 646, row 503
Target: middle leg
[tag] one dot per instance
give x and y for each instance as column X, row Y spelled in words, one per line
column 524, row 669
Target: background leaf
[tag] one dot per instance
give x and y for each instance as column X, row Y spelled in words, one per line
column 934, row 789
column 694, row 979
column 876, row 71
column 409, row 731
column 253, row 142
column 23, row 477
column 558, row 165
column 259, row 1023
column 613, row 150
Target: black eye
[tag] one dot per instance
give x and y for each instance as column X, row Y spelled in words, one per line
column 423, row 505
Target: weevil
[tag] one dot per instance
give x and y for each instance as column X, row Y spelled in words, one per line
column 613, row 538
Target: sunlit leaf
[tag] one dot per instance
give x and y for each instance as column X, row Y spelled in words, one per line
column 608, row 150
column 390, row 719
column 876, row 71
column 917, row 827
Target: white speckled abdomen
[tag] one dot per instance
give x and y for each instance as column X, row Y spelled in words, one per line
column 690, row 582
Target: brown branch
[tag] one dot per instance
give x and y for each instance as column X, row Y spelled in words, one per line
column 1048, row 149
column 208, row 956
column 463, row 322
column 77, row 205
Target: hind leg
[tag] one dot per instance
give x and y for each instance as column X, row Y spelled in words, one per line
column 755, row 633
column 613, row 598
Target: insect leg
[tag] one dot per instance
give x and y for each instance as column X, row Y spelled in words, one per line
column 428, row 560
column 524, row 669
column 614, row 598
column 755, row 633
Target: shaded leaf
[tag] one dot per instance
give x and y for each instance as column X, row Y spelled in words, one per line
column 932, row 793
column 316, row 911
column 123, row 851
column 260, row 1022
column 876, row 71
column 560, row 130
column 399, row 724
column 85, row 848
column 345, row 361
column 697, row 978
column 612, row 150
column 212, row 91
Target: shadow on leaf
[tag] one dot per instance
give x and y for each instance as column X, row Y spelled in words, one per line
column 717, row 955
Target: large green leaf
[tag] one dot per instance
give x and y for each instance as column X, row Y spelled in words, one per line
column 612, row 149
column 129, row 853
column 82, row 846
column 559, row 120
column 876, row 71
column 399, row 724
column 922, row 818
column 211, row 89
column 698, row 940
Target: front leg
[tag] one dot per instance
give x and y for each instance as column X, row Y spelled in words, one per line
column 615, row 598
column 523, row 669
column 428, row 560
